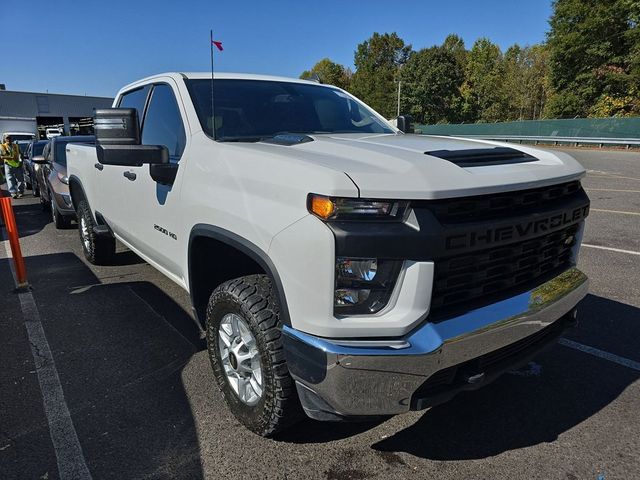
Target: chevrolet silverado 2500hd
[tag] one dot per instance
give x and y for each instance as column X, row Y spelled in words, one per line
column 334, row 262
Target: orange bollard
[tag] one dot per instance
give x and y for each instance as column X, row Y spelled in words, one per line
column 14, row 241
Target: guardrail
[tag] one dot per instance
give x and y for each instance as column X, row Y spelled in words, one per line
column 627, row 142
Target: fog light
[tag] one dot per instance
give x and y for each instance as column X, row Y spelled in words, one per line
column 351, row 296
column 364, row 285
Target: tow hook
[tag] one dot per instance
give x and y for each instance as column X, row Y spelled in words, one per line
column 476, row 379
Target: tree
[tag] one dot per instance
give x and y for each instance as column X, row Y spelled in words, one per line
column 525, row 85
column 483, row 92
column 377, row 61
column 431, row 81
column 330, row 73
column 592, row 45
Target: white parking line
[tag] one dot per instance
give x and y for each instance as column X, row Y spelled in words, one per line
column 625, row 362
column 69, row 456
column 611, row 249
column 610, row 190
column 621, row 212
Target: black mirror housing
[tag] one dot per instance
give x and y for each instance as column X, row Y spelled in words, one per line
column 164, row 174
column 116, row 126
column 405, row 124
column 132, row 155
column 118, row 139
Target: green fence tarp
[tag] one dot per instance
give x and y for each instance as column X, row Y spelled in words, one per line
column 620, row 127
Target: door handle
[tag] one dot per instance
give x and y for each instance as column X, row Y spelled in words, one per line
column 130, row 175
column 99, row 166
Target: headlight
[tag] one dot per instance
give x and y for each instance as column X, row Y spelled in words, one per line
column 364, row 285
column 63, row 178
column 331, row 208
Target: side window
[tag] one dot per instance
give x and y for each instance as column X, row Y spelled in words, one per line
column 135, row 99
column 163, row 123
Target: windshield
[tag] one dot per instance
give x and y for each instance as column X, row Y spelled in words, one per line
column 251, row 109
column 22, row 145
column 38, row 147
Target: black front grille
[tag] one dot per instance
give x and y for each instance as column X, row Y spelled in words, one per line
column 482, row 207
column 473, row 278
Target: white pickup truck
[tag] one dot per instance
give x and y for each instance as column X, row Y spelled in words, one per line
column 338, row 266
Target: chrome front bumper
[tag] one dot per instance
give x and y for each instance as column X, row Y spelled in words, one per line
column 342, row 378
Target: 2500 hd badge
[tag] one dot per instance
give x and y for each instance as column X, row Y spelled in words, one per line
column 165, row 231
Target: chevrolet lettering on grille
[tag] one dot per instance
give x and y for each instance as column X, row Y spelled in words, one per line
column 520, row 231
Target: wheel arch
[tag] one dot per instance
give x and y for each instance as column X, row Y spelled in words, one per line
column 239, row 257
column 76, row 190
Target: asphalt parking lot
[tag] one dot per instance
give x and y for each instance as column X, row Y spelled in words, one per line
column 140, row 395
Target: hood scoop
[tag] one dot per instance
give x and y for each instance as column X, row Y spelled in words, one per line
column 480, row 157
column 288, row 139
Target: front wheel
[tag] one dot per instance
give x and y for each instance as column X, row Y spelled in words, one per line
column 59, row 220
column 99, row 250
column 247, row 356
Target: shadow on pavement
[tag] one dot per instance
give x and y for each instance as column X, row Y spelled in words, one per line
column 30, row 217
column 520, row 411
column 120, row 350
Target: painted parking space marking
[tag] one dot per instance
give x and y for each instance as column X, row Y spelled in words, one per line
column 69, row 456
column 610, row 190
column 621, row 212
column 611, row 249
column 625, row 362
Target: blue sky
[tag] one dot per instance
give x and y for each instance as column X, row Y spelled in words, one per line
column 95, row 47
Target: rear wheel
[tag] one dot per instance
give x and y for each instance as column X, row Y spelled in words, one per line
column 99, row 250
column 246, row 353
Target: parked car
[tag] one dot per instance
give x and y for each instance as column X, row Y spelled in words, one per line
column 20, row 136
column 334, row 262
column 31, row 166
column 52, row 132
column 52, row 179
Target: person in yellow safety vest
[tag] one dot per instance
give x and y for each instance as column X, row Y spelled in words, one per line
column 10, row 156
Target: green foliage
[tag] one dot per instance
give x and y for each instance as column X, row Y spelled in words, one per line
column 431, row 79
column 483, row 93
column 589, row 66
column 330, row 73
column 593, row 54
column 377, row 62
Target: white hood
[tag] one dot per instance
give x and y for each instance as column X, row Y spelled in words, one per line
column 396, row 166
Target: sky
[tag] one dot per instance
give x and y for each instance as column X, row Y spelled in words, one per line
column 95, row 47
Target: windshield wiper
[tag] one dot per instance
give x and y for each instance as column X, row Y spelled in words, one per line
column 240, row 138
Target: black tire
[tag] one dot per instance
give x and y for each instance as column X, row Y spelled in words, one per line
column 98, row 250
column 253, row 299
column 59, row 220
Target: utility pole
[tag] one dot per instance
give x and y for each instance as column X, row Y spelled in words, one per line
column 399, row 83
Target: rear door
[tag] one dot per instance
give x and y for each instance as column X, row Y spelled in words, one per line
column 153, row 213
column 110, row 181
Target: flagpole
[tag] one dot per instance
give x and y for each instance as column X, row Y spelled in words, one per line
column 213, row 117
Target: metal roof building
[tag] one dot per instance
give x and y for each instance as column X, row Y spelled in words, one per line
column 33, row 112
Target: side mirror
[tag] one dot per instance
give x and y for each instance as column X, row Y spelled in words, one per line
column 118, row 139
column 405, row 123
column 39, row 159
